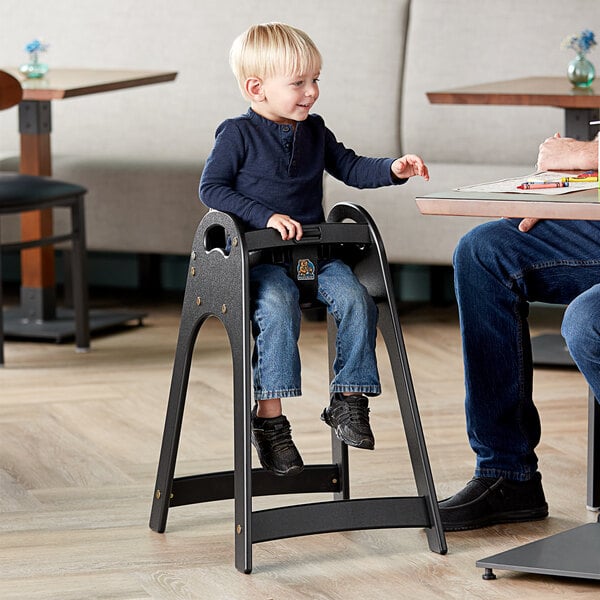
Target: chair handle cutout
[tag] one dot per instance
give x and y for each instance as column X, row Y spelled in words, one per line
column 216, row 238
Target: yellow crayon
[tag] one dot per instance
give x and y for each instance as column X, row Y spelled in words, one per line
column 579, row 179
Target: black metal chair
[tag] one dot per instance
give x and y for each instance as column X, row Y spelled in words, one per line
column 22, row 193
column 218, row 285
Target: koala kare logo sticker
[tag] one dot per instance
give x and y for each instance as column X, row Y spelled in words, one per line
column 305, row 270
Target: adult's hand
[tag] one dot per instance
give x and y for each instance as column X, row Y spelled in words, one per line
column 527, row 224
column 567, row 154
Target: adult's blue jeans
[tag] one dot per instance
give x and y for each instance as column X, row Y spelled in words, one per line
column 276, row 319
column 498, row 271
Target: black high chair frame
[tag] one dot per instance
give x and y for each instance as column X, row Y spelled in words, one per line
column 218, row 285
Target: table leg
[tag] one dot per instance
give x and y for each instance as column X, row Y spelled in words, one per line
column 37, row 317
column 38, row 297
column 577, row 123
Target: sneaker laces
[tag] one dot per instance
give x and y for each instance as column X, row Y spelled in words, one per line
column 279, row 434
column 353, row 410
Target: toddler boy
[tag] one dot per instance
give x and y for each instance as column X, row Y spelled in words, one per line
column 266, row 167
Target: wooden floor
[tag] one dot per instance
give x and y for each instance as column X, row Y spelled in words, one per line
column 79, row 443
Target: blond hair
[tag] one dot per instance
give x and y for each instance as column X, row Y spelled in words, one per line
column 273, row 49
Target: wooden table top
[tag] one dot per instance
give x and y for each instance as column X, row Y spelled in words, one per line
column 530, row 91
column 584, row 204
column 67, row 83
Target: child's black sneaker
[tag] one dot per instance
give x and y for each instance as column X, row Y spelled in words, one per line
column 276, row 451
column 349, row 417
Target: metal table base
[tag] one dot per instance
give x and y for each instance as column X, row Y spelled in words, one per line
column 572, row 553
column 62, row 327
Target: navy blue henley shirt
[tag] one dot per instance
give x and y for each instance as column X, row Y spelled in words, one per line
column 258, row 167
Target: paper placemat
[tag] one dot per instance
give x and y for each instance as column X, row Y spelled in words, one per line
column 510, row 185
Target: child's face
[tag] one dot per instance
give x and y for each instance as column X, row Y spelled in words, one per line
column 286, row 99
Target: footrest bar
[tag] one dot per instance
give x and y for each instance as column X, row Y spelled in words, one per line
column 339, row 515
column 210, row 487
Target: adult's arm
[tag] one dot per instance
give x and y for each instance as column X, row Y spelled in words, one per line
column 567, row 154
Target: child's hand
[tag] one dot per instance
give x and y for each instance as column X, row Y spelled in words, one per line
column 410, row 165
column 287, row 227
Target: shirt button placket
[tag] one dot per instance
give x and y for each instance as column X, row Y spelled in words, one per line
column 287, row 134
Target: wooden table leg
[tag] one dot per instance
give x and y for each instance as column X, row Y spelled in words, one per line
column 38, row 281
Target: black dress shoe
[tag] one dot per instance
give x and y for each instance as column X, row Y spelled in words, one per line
column 489, row 501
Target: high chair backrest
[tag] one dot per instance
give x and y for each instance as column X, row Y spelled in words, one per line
column 11, row 91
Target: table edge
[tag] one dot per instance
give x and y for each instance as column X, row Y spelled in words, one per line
column 510, row 205
column 125, row 79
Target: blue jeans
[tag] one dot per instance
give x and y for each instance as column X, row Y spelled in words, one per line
column 498, row 270
column 276, row 328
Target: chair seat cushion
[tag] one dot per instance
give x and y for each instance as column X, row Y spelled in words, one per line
column 28, row 192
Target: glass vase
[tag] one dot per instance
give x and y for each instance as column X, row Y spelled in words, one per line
column 581, row 72
column 34, row 69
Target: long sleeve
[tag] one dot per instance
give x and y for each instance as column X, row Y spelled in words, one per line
column 354, row 170
column 218, row 183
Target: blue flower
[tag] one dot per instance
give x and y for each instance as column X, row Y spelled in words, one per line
column 581, row 43
column 36, row 46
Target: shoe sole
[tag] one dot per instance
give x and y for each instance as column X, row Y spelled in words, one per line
column 295, row 470
column 520, row 516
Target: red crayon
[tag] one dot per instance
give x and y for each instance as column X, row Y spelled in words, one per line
column 539, row 186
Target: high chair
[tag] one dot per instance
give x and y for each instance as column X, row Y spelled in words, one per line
column 218, row 285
